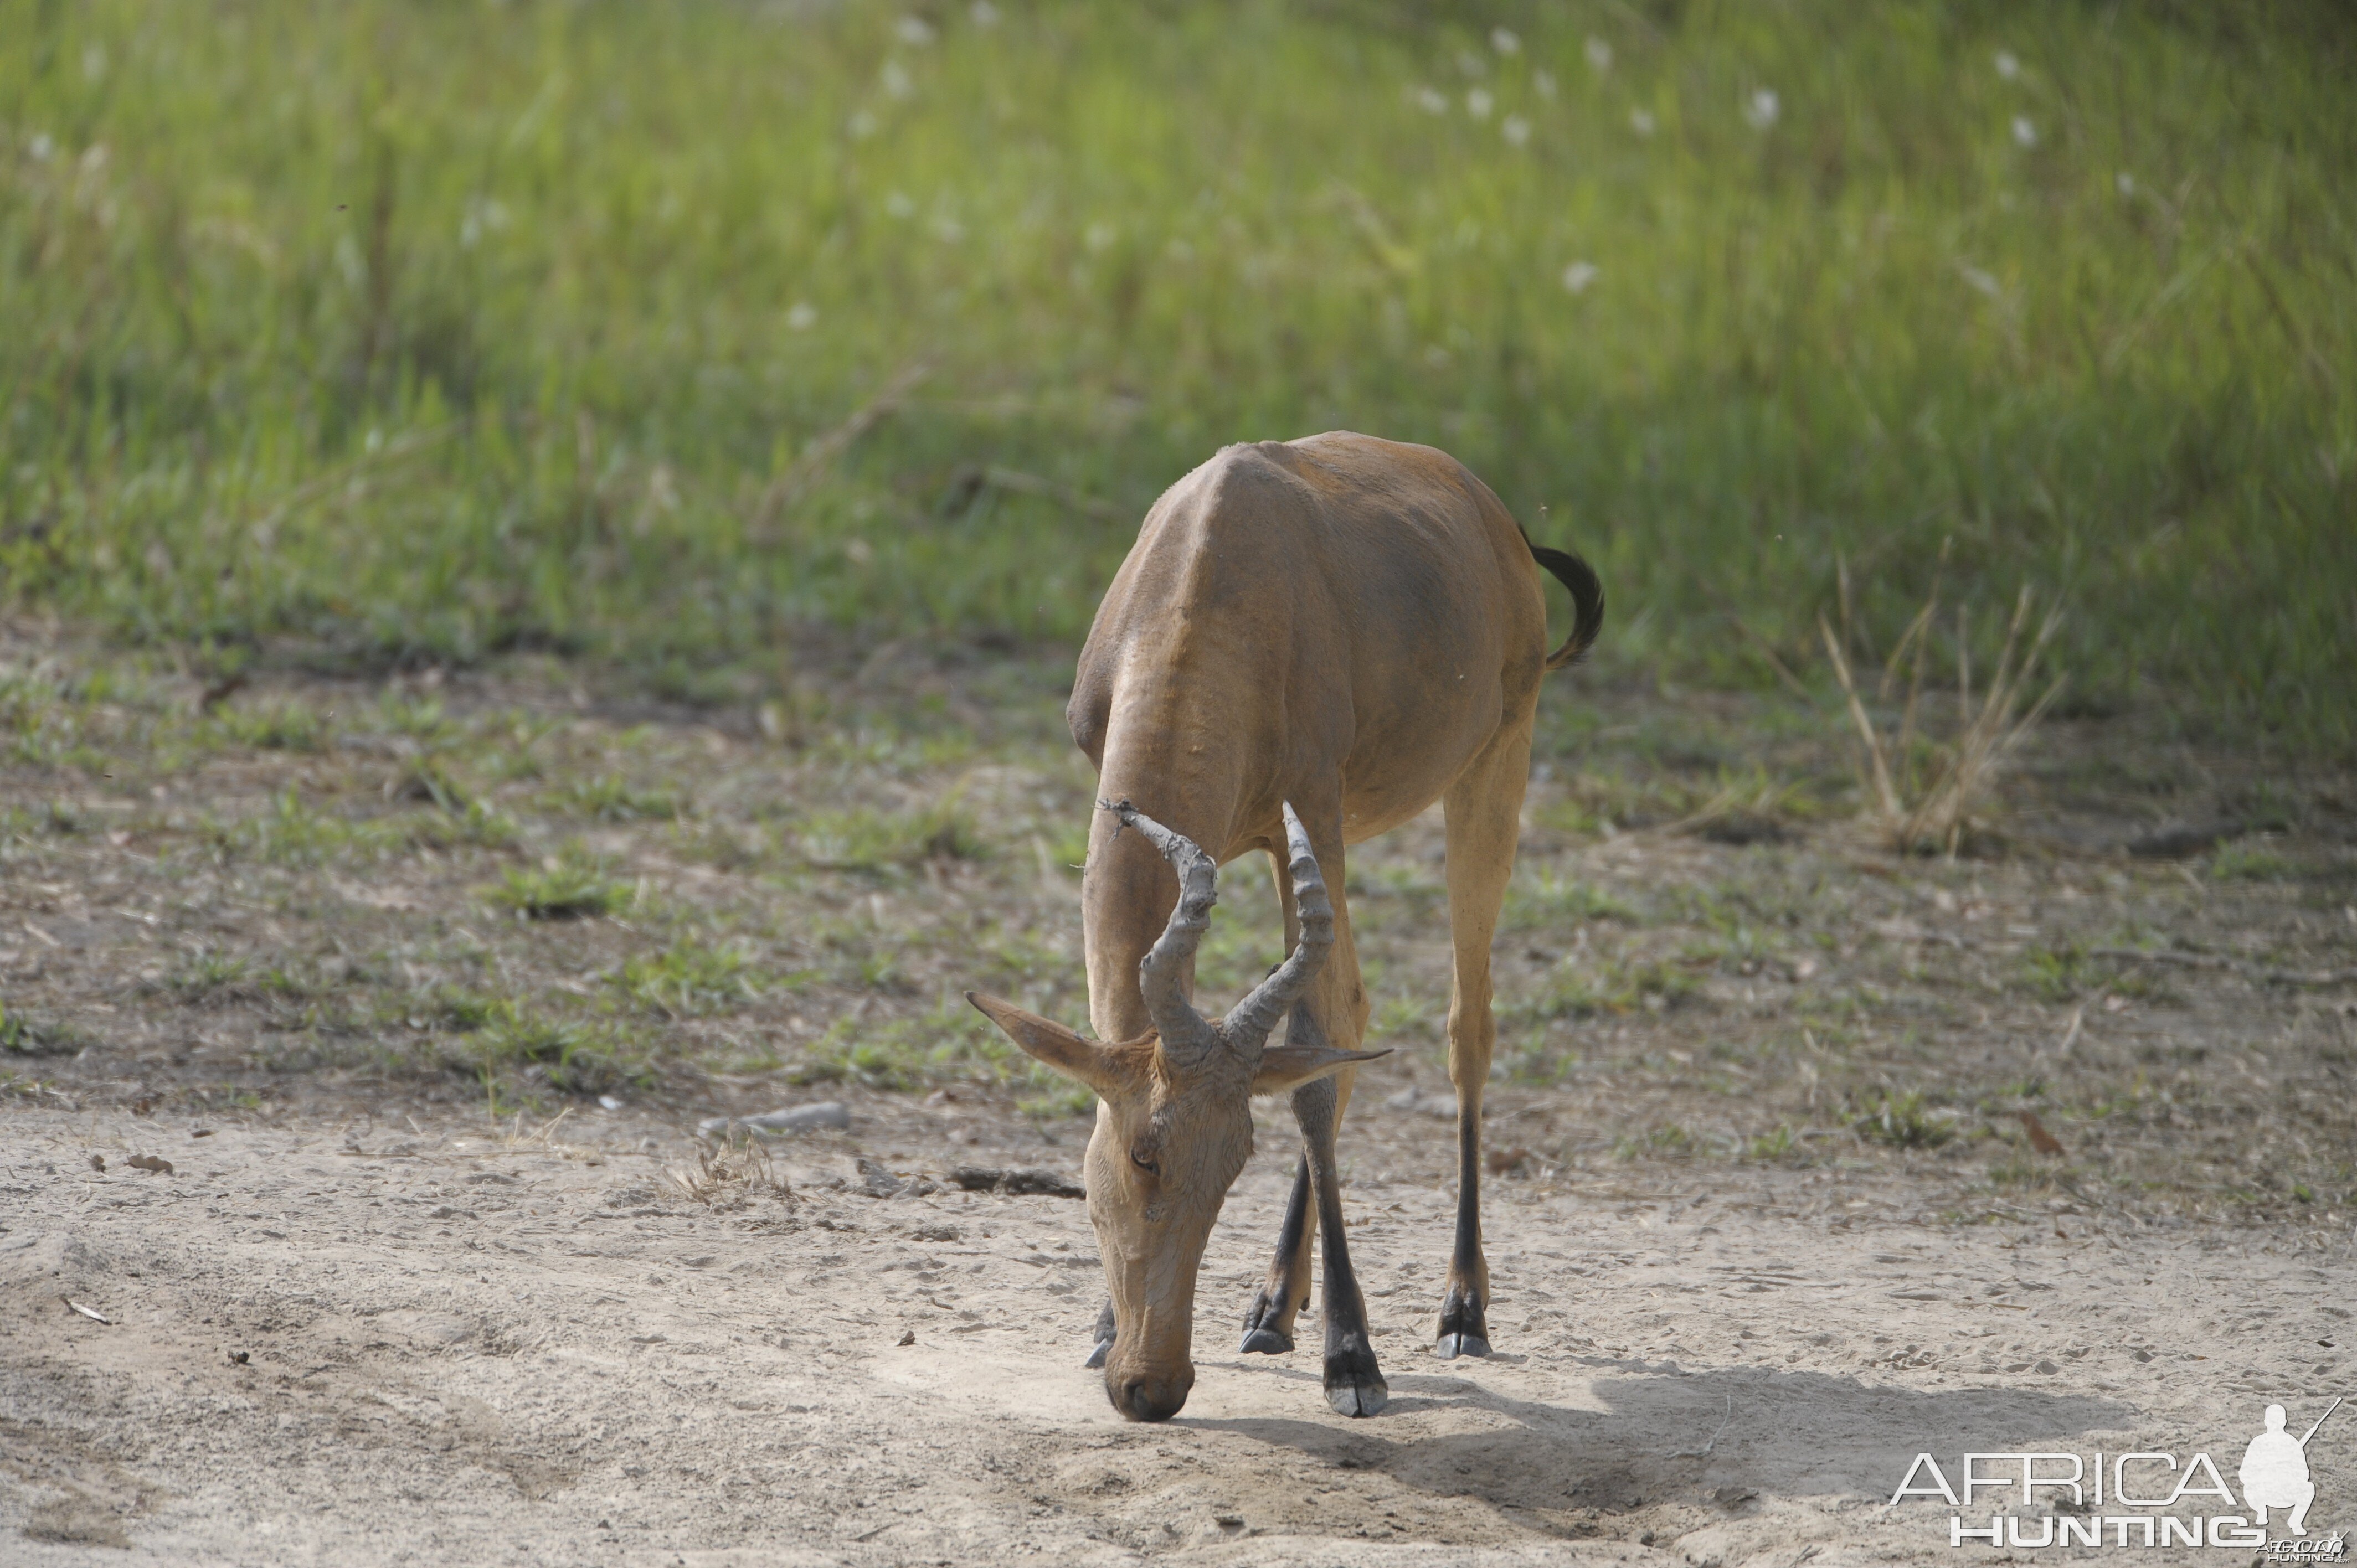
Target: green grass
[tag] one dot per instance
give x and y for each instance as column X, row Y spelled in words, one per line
column 1610, row 985
column 415, row 333
column 865, row 839
column 566, row 888
column 23, row 1037
column 686, row 980
column 1903, row 1121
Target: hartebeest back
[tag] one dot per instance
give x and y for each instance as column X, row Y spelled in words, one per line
column 1310, row 642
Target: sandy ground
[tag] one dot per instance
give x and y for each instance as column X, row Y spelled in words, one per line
column 359, row 1343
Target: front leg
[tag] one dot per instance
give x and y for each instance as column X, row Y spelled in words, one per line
column 1268, row 1321
column 1354, row 1383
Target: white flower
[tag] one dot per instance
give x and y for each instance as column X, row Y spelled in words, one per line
column 1505, row 41
column 984, row 14
column 1640, row 122
column 1477, row 103
column 895, row 78
column 1980, row 280
column 1517, row 130
column 1544, row 82
column 1578, row 275
column 899, row 205
column 2024, row 133
column 2125, row 183
column 1600, row 56
column 1762, row 109
column 1099, row 235
column 914, row 31
column 863, row 125
column 93, row 62
column 802, row 318
column 1431, row 100
column 1472, row 64
column 41, row 146
column 2007, row 65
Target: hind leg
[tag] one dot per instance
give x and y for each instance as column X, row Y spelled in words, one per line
column 1484, row 816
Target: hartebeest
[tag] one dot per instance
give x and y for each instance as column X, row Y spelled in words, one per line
column 1310, row 642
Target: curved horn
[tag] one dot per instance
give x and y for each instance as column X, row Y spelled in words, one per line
column 1248, row 1023
column 1186, row 1034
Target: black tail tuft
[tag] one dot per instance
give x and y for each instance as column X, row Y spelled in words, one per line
column 1578, row 579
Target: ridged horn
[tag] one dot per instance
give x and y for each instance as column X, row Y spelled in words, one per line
column 1248, row 1023
column 1186, row 1036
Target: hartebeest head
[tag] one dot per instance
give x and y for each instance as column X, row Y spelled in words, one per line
column 1174, row 1115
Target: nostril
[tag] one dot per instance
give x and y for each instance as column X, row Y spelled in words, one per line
column 1133, row 1396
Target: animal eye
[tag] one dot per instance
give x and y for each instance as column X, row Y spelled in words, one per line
column 1143, row 1161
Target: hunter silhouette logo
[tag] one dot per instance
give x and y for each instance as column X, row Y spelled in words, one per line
column 2274, row 1471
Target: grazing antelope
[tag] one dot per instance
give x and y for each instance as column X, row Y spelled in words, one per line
column 1310, row 642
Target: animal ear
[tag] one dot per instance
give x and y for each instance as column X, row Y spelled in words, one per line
column 1049, row 1041
column 1292, row 1064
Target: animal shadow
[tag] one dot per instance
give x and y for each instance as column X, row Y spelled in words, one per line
column 1788, row 1434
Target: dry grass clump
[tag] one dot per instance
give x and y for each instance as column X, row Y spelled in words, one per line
column 1922, row 793
column 731, row 1176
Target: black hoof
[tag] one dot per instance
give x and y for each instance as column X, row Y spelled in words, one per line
column 1354, row 1385
column 1097, row 1357
column 1262, row 1335
column 1463, row 1329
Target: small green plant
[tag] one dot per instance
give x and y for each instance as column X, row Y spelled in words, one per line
column 1616, row 986
column 569, row 1056
column 610, row 797
column 2058, row 973
column 206, row 975
column 867, row 840
column 20, row 1036
column 1549, row 900
column 479, row 825
column 1903, row 1121
column 2249, row 860
column 564, row 887
column 1779, row 1145
column 288, row 833
column 271, row 726
column 430, row 777
column 688, row 978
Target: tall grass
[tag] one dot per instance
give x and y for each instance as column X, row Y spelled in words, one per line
column 423, row 330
